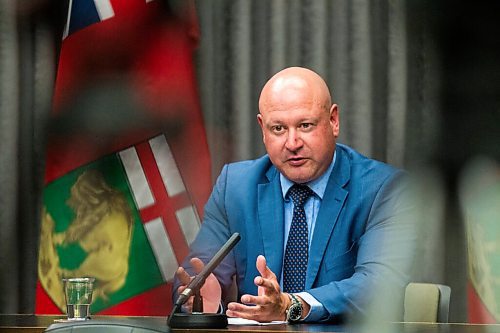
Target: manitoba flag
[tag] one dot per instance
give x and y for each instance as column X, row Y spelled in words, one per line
column 127, row 167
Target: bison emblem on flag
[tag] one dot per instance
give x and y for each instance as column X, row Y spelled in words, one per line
column 112, row 219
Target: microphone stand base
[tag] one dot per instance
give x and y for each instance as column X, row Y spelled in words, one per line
column 198, row 320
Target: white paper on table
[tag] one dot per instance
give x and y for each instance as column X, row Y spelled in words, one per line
column 241, row 321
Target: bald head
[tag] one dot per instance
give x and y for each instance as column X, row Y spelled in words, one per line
column 293, row 84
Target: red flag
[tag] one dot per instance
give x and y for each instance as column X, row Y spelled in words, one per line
column 125, row 91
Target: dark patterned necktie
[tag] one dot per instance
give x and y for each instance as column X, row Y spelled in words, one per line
column 296, row 251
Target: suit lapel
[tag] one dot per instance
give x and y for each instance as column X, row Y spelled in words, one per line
column 271, row 219
column 333, row 201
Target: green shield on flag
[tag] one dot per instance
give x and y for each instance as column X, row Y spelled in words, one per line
column 92, row 227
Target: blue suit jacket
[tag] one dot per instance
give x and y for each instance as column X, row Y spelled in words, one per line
column 360, row 244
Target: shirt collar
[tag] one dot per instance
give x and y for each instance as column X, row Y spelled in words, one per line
column 318, row 185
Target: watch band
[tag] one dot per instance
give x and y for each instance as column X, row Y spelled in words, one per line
column 294, row 311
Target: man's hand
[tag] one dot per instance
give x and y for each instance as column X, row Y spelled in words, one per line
column 211, row 290
column 269, row 305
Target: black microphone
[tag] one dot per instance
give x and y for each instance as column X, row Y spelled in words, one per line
column 199, row 279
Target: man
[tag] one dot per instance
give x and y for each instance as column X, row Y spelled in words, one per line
column 353, row 222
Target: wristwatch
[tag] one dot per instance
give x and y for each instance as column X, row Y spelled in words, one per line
column 294, row 311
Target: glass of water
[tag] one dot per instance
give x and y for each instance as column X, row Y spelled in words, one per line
column 78, row 293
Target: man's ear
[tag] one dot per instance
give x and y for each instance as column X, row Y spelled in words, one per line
column 334, row 120
column 260, row 120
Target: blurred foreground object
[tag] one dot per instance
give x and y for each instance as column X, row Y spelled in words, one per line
column 128, row 167
column 480, row 202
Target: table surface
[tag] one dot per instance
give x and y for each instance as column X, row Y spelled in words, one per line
column 28, row 323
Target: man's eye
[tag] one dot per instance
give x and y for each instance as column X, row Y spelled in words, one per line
column 305, row 125
column 277, row 128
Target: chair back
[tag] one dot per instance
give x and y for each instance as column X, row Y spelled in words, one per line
column 427, row 302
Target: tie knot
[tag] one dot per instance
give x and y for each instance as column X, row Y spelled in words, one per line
column 299, row 194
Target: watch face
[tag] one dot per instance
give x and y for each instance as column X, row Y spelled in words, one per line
column 295, row 312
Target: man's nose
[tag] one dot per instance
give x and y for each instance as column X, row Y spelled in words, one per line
column 293, row 140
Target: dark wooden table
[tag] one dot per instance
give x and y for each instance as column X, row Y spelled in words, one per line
column 27, row 323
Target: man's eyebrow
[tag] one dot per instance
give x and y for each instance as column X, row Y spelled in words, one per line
column 274, row 121
column 272, row 124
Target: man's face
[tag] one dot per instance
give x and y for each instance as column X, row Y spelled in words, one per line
column 299, row 135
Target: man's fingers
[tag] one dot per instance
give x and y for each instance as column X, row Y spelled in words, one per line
column 262, row 282
column 267, row 284
column 248, row 312
column 257, row 300
column 197, row 264
column 183, row 276
column 242, row 311
column 264, row 271
column 237, row 314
